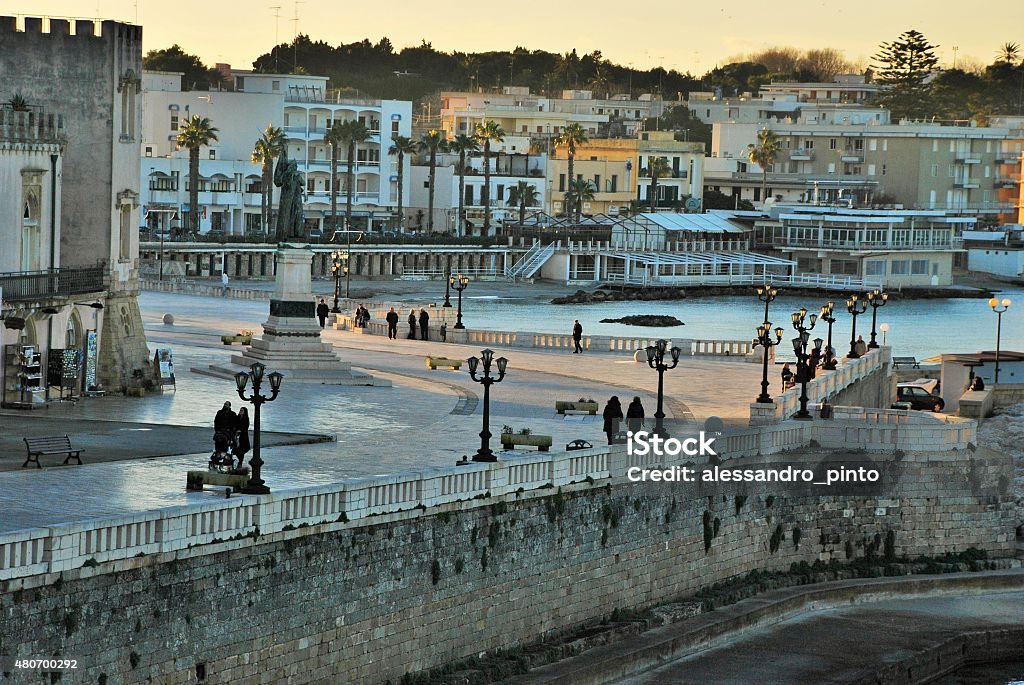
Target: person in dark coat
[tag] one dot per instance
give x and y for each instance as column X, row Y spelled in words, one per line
column 224, row 421
column 242, row 428
column 322, row 310
column 365, row 315
column 424, row 324
column 577, row 336
column 412, row 324
column 612, row 415
column 977, row 384
column 392, row 319
column 635, row 415
column 788, row 378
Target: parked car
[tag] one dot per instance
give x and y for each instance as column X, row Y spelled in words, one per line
column 918, row 395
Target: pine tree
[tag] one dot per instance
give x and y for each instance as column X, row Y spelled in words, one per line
column 904, row 67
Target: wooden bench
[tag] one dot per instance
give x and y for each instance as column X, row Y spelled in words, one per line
column 51, row 444
column 434, row 362
column 912, row 362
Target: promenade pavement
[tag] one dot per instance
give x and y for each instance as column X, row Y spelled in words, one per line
column 428, row 418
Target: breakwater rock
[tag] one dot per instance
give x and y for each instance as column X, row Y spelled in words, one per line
column 654, row 320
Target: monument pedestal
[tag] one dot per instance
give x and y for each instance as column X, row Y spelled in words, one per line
column 291, row 336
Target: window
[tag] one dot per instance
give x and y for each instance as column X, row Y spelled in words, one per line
column 919, row 267
column 213, row 154
column 310, row 185
column 900, row 267
column 394, row 127
column 275, row 86
column 808, row 144
column 874, row 267
column 950, row 171
column 615, row 183
column 935, row 170
column 561, row 183
column 149, row 151
column 597, row 181
column 885, row 146
column 831, row 167
column 871, row 169
column 872, row 145
column 883, row 170
column 174, row 122
column 858, row 145
column 831, row 143
column 935, row 146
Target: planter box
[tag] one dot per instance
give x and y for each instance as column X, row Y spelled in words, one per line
column 434, row 362
column 510, row 440
column 195, row 480
column 589, row 407
column 244, row 338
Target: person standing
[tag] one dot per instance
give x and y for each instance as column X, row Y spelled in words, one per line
column 577, row 336
column 635, row 415
column 860, row 347
column 612, row 416
column 242, row 440
column 444, row 331
column 392, row 319
column 322, row 310
column 424, row 324
column 412, row 324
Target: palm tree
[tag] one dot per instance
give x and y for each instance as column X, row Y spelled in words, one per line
column 523, row 194
column 464, row 145
column 335, row 137
column 401, row 146
column 430, row 142
column 763, row 154
column 1008, row 53
column 353, row 132
column 657, row 167
column 580, row 190
column 266, row 150
column 571, row 136
column 488, row 132
column 197, row 132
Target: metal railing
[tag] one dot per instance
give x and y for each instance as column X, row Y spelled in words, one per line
column 31, row 285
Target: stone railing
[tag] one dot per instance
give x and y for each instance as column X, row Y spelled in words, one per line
column 226, row 523
column 205, row 289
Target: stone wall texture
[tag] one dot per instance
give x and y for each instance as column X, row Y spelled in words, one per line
column 372, row 600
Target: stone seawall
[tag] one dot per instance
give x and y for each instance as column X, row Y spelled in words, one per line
column 370, row 600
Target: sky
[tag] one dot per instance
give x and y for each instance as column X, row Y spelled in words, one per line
column 674, row 34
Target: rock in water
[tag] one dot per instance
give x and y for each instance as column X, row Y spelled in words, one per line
column 653, row 320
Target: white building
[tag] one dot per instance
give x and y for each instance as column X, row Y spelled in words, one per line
column 999, row 252
column 230, row 183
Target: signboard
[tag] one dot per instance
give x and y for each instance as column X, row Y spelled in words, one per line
column 90, row 360
column 163, row 363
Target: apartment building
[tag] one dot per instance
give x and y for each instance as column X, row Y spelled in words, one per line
column 782, row 109
column 231, row 184
column 610, row 164
column 1010, row 179
column 686, row 161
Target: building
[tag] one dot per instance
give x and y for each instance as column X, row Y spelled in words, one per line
column 684, row 188
column 1009, row 188
column 911, row 164
column 844, row 89
column 890, row 248
column 999, row 252
column 610, row 165
column 231, row 184
column 76, row 210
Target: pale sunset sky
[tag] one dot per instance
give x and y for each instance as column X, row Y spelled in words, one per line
column 687, row 36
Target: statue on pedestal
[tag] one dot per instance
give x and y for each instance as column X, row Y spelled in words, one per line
column 289, row 211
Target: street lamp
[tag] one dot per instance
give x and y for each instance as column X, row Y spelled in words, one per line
column 656, row 360
column 828, row 315
column 994, row 303
column 803, row 369
column 256, row 485
column 885, row 329
column 856, row 307
column 486, row 357
column 447, row 280
column 459, row 282
column 766, row 294
column 876, row 298
column 338, row 262
column 764, row 339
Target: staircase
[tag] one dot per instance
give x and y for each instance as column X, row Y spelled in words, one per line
column 531, row 262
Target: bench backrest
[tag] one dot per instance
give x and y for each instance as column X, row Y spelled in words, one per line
column 48, row 442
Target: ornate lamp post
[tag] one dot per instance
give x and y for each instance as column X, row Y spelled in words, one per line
column 856, row 307
column 828, row 315
column 764, row 339
column 994, row 303
column 459, row 282
column 803, row 369
column 486, row 357
column 256, row 485
column 876, row 298
column 338, row 259
column 766, row 294
column 656, row 360
column 447, row 280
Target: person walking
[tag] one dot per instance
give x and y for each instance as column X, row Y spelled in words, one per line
column 424, row 324
column 444, row 331
column 635, row 415
column 224, row 426
column 322, row 310
column 577, row 336
column 412, row 324
column 612, row 416
column 392, row 319
column 242, row 439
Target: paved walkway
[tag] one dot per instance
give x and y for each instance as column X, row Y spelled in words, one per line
column 428, row 418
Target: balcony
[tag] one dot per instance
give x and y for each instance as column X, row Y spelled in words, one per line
column 31, row 126
column 1008, row 158
column 1005, row 182
column 965, row 183
column 967, row 158
column 801, row 155
column 33, row 285
column 851, row 156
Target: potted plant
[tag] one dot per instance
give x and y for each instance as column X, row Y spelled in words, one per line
column 525, row 437
column 18, row 103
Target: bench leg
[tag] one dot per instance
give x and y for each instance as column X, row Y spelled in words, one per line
column 73, row 455
column 30, row 460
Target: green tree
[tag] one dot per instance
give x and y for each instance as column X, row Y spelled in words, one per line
column 580, row 190
column 464, row 145
column 764, row 154
column 431, row 142
column 266, row 150
column 487, row 133
column 523, row 194
column 571, row 136
column 197, row 132
column 401, row 146
column 904, row 66
column 195, row 74
column 657, row 167
column 352, row 133
column 1009, row 53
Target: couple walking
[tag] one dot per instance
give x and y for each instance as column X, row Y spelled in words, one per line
column 612, row 415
